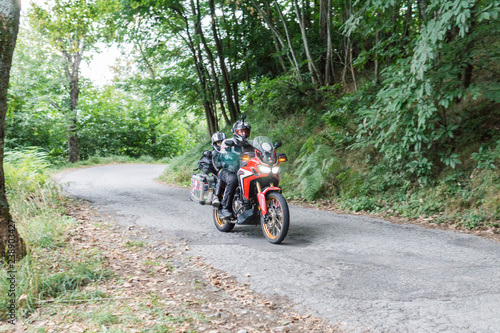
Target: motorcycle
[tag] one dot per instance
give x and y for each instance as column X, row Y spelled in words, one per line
column 258, row 197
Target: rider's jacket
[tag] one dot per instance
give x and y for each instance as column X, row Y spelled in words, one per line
column 229, row 157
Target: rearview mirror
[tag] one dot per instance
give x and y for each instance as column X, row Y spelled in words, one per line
column 277, row 144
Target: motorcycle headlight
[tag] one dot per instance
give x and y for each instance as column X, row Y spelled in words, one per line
column 263, row 168
column 276, row 169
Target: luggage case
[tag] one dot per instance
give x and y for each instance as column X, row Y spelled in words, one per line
column 202, row 188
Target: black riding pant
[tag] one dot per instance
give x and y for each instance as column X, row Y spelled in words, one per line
column 230, row 181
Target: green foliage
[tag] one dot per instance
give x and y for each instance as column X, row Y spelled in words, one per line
column 285, row 95
column 68, row 22
column 361, row 203
column 115, row 123
column 35, row 205
column 25, row 169
column 111, row 121
column 486, row 157
column 180, row 168
column 410, row 121
column 316, row 166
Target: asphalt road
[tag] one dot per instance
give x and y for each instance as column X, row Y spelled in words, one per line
column 359, row 273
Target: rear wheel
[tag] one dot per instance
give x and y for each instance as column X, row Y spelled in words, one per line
column 220, row 224
column 277, row 220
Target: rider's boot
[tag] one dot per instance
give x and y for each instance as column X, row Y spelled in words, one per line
column 225, row 214
column 215, row 201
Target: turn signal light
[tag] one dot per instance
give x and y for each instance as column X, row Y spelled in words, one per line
column 282, row 158
column 245, row 158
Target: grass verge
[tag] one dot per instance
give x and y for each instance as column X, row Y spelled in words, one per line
column 51, row 269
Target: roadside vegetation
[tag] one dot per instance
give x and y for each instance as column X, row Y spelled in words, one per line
column 51, row 269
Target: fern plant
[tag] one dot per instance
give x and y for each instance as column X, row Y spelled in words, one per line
column 316, row 166
column 25, row 167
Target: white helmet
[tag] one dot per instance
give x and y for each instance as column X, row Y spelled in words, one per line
column 218, row 137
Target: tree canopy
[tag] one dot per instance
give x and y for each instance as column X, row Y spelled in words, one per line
column 403, row 93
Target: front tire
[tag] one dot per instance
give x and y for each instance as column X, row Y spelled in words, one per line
column 220, row 224
column 275, row 224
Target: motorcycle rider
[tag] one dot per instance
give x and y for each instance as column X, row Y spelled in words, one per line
column 229, row 160
column 217, row 139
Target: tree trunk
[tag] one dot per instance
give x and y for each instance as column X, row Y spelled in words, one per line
column 278, row 44
column 233, row 112
column 376, row 70
column 71, row 68
column 306, row 14
column 247, row 68
column 406, row 25
column 218, row 93
column 315, row 75
column 351, row 64
column 422, row 7
column 278, row 39
column 202, row 73
column 73, row 147
column 469, row 66
column 294, row 61
column 12, row 246
column 325, row 27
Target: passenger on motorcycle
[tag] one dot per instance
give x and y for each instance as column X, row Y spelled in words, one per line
column 217, row 140
column 229, row 160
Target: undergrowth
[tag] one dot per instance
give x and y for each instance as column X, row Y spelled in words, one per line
column 50, row 270
column 180, row 168
column 333, row 158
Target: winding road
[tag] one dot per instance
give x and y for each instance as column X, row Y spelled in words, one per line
column 358, row 273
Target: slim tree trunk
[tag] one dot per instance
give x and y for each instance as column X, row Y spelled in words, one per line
column 73, row 147
column 218, row 93
column 233, row 112
column 72, row 68
column 469, row 67
column 376, row 70
column 278, row 44
column 12, row 246
column 422, row 8
column 278, row 39
column 202, row 73
column 351, row 64
column 294, row 61
column 325, row 24
column 406, row 25
column 247, row 68
column 315, row 75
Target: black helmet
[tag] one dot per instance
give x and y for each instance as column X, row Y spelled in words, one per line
column 218, row 137
column 241, row 130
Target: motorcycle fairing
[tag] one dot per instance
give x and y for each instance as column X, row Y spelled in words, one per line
column 262, row 199
column 245, row 181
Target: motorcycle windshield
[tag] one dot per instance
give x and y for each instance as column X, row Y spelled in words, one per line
column 265, row 146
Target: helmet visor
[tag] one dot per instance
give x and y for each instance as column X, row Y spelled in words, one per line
column 243, row 132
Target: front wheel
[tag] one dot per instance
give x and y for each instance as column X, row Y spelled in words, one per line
column 277, row 220
column 220, row 224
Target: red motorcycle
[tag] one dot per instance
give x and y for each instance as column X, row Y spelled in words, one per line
column 258, row 197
